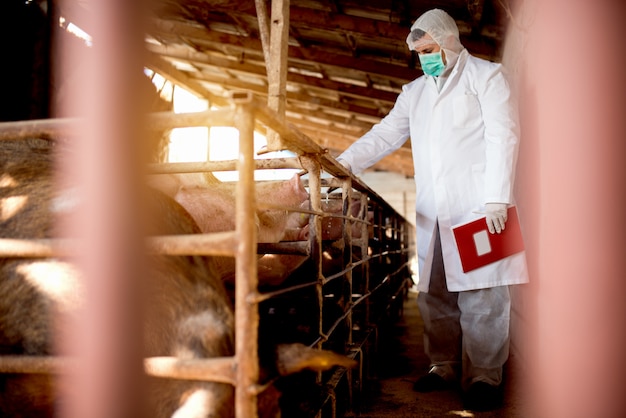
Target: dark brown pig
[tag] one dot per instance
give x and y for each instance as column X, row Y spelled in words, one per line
column 188, row 313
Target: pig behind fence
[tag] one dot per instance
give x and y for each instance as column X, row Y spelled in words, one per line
column 188, row 313
column 212, row 204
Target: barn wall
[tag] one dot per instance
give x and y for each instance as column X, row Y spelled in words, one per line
column 396, row 189
column 25, row 69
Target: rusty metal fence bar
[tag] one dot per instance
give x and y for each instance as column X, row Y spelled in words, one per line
column 220, row 369
column 382, row 236
column 219, row 243
column 227, row 165
column 55, row 128
column 246, row 278
column 241, row 370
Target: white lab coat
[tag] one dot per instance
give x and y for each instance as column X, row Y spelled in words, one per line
column 464, row 140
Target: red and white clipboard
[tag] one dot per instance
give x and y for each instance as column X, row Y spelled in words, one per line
column 477, row 247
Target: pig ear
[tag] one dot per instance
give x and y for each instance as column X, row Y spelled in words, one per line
column 292, row 358
column 296, row 183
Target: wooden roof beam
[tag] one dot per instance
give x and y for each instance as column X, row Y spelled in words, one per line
column 229, row 64
column 351, row 121
column 303, row 98
column 167, row 70
column 277, row 67
column 310, row 55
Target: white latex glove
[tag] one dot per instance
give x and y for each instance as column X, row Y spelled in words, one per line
column 496, row 217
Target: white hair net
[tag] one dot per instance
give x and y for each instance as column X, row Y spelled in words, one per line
column 440, row 26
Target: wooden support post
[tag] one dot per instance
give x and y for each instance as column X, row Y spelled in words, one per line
column 264, row 31
column 277, row 67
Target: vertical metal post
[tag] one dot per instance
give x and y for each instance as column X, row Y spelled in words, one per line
column 346, row 195
column 246, row 279
column 315, row 237
column 107, row 336
column 312, row 166
column 364, row 253
column 576, row 265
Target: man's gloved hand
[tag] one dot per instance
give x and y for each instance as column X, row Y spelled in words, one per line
column 496, row 217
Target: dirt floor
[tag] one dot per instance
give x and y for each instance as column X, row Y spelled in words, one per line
column 401, row 361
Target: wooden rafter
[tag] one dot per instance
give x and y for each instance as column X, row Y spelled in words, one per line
column 347, row 60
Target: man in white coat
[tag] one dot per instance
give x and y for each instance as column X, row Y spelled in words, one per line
column 464, row 134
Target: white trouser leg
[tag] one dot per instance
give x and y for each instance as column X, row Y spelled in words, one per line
column 440, row 313
column 485, row 316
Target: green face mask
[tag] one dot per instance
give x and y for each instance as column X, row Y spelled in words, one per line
column 432, row 64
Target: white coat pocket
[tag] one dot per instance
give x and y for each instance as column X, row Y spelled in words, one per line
column 466, row 110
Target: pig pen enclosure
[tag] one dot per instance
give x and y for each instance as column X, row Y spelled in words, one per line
column 343, row 275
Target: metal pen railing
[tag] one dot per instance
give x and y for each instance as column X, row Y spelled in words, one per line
column 385, row 237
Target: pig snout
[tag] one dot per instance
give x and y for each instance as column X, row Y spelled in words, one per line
column 278, row 225
column 303, row 234
column 331, row 225
column 297, row 224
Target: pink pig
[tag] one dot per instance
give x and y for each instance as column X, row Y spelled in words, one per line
column 212, row 203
